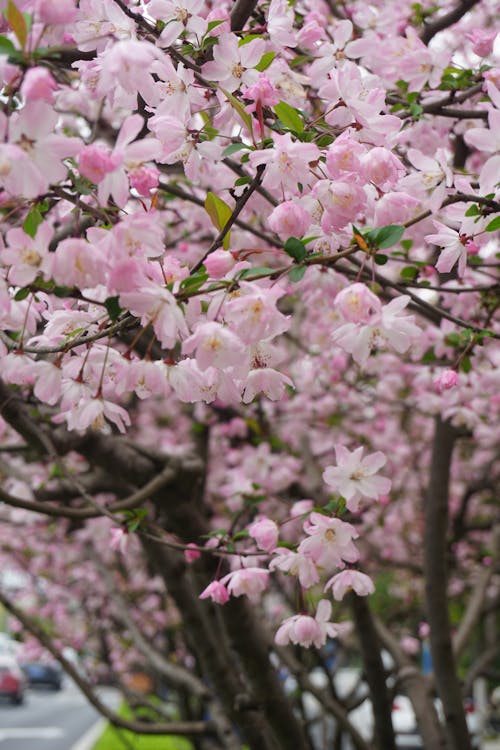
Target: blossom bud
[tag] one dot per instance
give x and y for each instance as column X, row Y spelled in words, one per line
column 219, row 263
column 265, row 533
column 445, row 380
column 482, row 41
column 144, row 179
column 289, row 219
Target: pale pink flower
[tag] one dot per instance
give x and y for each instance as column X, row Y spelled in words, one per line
column 179, row 16
column 382, row 168
column 215, row 345
column 156, row 305
column 93, row 413
column 424, row 629
column 410, row 645
column 342, row 202
column 454, row 248
column 355, row 477
column 254, row 315
column 350, row 580
column 233, row 65
column 249, row 582
column 358, row 304
column 329, row 541
column 261, row 93
column 445, row 380
column 295, row 564
column 216, row 591
column 344, row 157
column 55, row 11
column 38, row 83
column 287, row 162
column 482, row 41
column 144, row 179
column 280, row 21
column 290, row 219
column 266, row 533
column 28, row 256
column 119, row 538
column 95, row 162
column 305, row 630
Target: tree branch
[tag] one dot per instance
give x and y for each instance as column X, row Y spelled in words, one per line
column 241, row 12
column 436, row 579
column 443, row 22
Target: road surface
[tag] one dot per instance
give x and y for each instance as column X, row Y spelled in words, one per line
column 48, row 720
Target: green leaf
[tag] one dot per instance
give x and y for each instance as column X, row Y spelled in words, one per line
column 466, row 365
column 296, row 249
column 406, row 244
column 22, row 294
column 32, row 221
column 265, row 61
column 233, row 148
column 409, row 272
column 219, row 213
column 242, row 181
column 325, row 140
column 113, row 307
column 214, row 24
column 429, row 357
column 297, row 273
column 380, row 260
column 191, row 283
column 493, row 225
column 7, row 47
column 63, row 291
column 472, row 210
column 256, row 271
column 385, row 237
column 289, row 116
column 56, row 472
column 239, row 108
column 17, row 22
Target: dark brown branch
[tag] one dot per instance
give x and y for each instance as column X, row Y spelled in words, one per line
column 436, row 580
column 374, row 671
column 443, row 22
column 241, row 12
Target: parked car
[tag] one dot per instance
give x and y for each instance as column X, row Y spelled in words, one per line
column 12, row 680
column 41, row 674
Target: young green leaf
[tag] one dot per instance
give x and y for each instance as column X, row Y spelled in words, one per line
column 289, row 116
column 219, row 213
column 296, row 249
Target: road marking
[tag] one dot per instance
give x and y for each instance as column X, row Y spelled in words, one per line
column 88, row 740
column 31, row 733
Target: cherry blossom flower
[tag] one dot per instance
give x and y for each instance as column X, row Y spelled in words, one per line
column 290, row 219
column 265, row 532
column 249, row 582
column 119, row 539
column 296, row 564
column 454, row 245
column 215, row 345
column 349, row 580
column 305, row 630
column 355, row 477
column 233, row 65
column 329, row 541
column 216, row 591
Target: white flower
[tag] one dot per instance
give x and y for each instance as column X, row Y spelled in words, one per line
column 354, row 476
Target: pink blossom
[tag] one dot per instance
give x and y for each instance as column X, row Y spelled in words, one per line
column 144, row 179
column 219, row 263
column 355, row 477
column 265, row 532
column 191, row 553
column 119, row 538
column 289, row 219
column 382, row 168
column 216, row 591
column 482, row 41
column 287, row 163
column 445, row 380
column 296, row 564
column 410, row 645
column 349, row 580
column 329, row 541
column 215, row 346
column 38, row 83
column 454, row 249
column 342, row 202
column 261, row 93
column 424, row 630
column 249, row 582
column 95, row 162
column 233, row 65
column 344, row 157
column 280, row 22
column 357, row 303
column 305, row 630
column 55, row 11
column 265, row 380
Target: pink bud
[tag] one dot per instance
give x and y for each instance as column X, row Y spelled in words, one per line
column 265, row 532
column 191, row 553
column 219, row 263
column 289, row 219
column 445, row 380
column 38, row 83
column 471, row 247
column 424, row 630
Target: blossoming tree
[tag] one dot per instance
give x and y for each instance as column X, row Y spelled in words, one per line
column 249, row 292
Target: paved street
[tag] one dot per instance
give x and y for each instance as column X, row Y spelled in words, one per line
column 47, row 720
